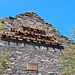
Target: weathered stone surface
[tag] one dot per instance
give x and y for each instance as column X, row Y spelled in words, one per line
column 23, row 52
column 2, row 45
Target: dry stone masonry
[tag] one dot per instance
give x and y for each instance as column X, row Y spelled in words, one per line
column 18, row 37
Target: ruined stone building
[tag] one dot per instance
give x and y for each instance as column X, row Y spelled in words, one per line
column 32, row 41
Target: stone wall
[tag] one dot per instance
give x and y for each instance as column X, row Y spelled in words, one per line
column 23, row 52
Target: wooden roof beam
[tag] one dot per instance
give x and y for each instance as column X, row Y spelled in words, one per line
column 29, row 38
column 29, row 27
column 31, row 33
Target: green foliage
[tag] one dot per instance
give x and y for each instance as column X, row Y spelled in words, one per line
column 1, row 24
column 68, row 58
column 3, row 61
column 72, row 29
column 68, row 55
column 1, row 19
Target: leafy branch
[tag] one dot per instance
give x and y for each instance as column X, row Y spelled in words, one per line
column 3, row 61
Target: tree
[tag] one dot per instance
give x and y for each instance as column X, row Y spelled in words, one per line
column 1, row 24
column 68, row 56
column 3, row 60
column 72, row 30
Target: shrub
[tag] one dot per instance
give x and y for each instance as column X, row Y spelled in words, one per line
column 3, row 61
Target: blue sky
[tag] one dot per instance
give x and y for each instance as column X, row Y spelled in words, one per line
column 60, row 13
